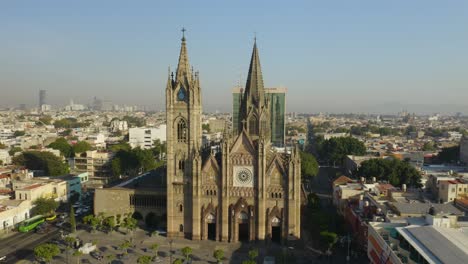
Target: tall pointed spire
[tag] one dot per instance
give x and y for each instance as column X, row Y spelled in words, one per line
column 254, row 90
column 183, row 68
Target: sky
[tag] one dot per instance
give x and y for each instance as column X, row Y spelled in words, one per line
column 332, row 56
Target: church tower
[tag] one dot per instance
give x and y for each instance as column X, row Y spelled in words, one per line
column 255, row 106
column 184, row 133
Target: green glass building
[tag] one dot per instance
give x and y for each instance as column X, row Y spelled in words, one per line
column 277, row 98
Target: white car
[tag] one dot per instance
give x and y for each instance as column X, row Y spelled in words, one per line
column 3, row 258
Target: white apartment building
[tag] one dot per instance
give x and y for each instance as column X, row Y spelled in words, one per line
column 5, row 156
column 118, row 125
column 144, row 137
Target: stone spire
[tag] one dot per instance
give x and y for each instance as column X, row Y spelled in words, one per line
column 183, row 68
column 254, row 90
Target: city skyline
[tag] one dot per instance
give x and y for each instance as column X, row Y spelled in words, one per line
column 379, row 58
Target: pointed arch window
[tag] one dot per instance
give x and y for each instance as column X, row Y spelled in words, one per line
column 181, row 131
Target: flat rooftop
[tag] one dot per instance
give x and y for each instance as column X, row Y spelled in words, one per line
column 443, row 245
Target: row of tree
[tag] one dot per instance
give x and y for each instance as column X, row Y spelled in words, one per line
column 392, row 170
column 68, row 150
column 42, row 160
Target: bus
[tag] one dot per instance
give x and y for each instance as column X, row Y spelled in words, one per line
column 51, row 218
column 31, row 223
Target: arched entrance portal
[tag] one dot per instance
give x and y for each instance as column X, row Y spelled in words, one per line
column 243, row 229
column 211, row 226
column 276, row 230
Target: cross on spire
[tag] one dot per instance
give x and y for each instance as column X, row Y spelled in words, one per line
column 183, row 33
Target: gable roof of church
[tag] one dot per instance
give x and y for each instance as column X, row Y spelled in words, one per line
column 243, row 139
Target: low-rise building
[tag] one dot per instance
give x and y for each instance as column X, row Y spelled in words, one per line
column 13, row 212
column 96, row 164
column 144, row 137
column 434, row 238
column 31, row 190
column 449, row 190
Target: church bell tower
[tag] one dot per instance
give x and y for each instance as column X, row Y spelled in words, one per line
column 184, row 133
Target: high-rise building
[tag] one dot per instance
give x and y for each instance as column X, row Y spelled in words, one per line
column 249, row 192
column 277, row 97
column 42, row 98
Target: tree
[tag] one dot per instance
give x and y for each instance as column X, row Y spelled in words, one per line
column 428, row 146
column 120, row 146
column 46, row 119
column 3, row 146
column 19, row 133
column 72, row 219
column 335, row 149
column 77, row 255
column 14, row 150
column 92, row 221
column 46, row 252
column 249, row 261
column 109, row 222
column 159, row 149
column 186, row 251
column 253, row 254
column 134, row 121
column 218, row 255
column 45, row 206
column 62, row 144
column 46, row 161
column 178, row 261
column 129, row 223
column 110, row 258
column 206, row 127
column 124, row 246
column 144, row 260
column 309, row 165
column 393, row 170
column 155, row 248
column 81, row 146
column 313, row 201
column 132, row 161
column 328, row 239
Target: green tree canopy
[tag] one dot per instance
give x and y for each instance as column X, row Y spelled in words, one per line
column 81, row 146
column 393, row 170
column 3, row 146
column 19, row 133
column 309, row 165
column 428, row 146
column 62, row 144
column 46, row 252
column 45, row 206
column 132, row 161
column 144, row 260
column 328, row 239
column 335, row 149
column 218, row 255
column 69, row 123
column 134, row 121
column 46, row 161
column 186, row 251
column 13, row 150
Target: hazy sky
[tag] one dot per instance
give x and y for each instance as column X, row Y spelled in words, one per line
column 333, row 56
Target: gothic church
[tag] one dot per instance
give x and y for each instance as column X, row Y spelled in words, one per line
column 250, row 191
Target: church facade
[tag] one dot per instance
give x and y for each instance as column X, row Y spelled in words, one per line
column 248, row 191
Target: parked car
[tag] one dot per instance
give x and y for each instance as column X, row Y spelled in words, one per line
column 3, row 258
column 97, row 255
column 60, row 224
